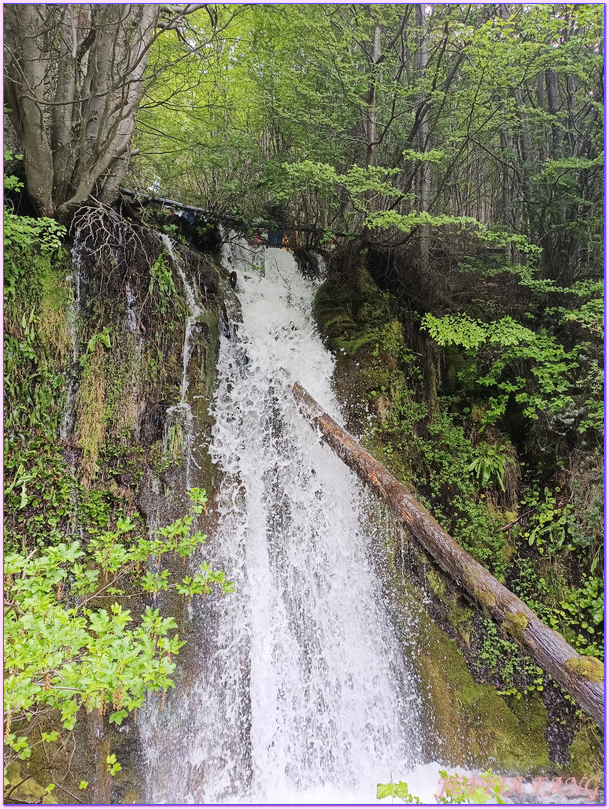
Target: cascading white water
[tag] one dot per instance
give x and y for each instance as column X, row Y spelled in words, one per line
column 182, row 412
column 194, row 311
column 75, row 279
column 299, row 691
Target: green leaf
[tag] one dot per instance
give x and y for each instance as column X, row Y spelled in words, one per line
column 384, row 791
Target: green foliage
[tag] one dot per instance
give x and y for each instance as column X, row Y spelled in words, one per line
column 590, row 315
column 550, row 524
column 61, row 652
column 577, row 612
column 26, row 238
column 532, row 367
column 161, row 277
column 113, row 764
column 481, row 789
column 364, row 185
column 446, row 475
column 399, row 790
column 503, row 657
column 440, row 466
column 101, row 339
column 39, row 486
column 490, row 463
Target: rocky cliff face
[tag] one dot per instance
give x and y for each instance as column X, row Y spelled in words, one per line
column 111, row 363
column 110, row 367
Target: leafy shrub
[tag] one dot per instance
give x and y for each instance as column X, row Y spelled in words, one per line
column 62, row 653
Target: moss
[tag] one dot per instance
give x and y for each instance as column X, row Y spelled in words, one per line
column 91, row 409
column 360, row 339
column 333, row 310
column 56, row 297
column 484, row 597
column 586, row 667
column 436, row 584
column 515, row 623
column 474, row 725
column 348, row 303
column 470, row 724
column 459, row 617
column 24, row 788
column 586, row 753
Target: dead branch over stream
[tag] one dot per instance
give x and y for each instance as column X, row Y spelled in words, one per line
column 581, row 676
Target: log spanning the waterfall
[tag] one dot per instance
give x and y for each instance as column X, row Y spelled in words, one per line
column 581, row 676
column 231, row 219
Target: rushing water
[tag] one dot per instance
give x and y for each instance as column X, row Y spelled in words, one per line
column 296, row 690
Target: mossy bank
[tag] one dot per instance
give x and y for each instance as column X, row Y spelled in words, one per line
column 107, row 420
column 487, row 704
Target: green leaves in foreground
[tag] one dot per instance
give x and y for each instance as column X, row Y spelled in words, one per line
column 453, row 789
column 62, row 653
column 399, row 790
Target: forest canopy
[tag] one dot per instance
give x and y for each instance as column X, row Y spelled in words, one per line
column 447, row 162
column 378, row 114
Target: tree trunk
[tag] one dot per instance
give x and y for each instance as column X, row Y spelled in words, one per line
column 581, row 676
column 425, row 176
column 554, row 109
column 24, row 89
column 74, row 79
column 371, row 113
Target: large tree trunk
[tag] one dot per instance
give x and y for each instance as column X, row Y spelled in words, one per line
column 581, row 676
column 74, row 78
column 24, row 89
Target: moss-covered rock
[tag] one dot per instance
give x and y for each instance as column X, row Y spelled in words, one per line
column 586, row 753
column 473, row 724
column 436, row 583
column 117, row 452
column 24, row 788
column 470, row 724
column 459, row 617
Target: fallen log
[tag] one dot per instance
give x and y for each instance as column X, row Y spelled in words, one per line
column 230, row 218
column 581, row 676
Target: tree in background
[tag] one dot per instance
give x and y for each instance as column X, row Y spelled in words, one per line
column 491, row 112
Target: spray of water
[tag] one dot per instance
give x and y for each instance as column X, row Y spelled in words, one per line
column 298, row 690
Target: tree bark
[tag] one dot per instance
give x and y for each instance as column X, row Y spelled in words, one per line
column 371, row 112
column 554, row 109
column 74, row 79
column 423, row 134
column 580, row 676
column 24, row 95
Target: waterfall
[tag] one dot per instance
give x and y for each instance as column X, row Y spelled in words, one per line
column 194, row 311
column 75, row 278
column 131, row 314
column 295, row 689
column 181, row 414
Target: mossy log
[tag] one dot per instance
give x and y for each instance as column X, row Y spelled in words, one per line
column 546, row 646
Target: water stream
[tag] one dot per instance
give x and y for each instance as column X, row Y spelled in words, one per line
column 295, row 689
column 75, row 279
column 181, row 414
